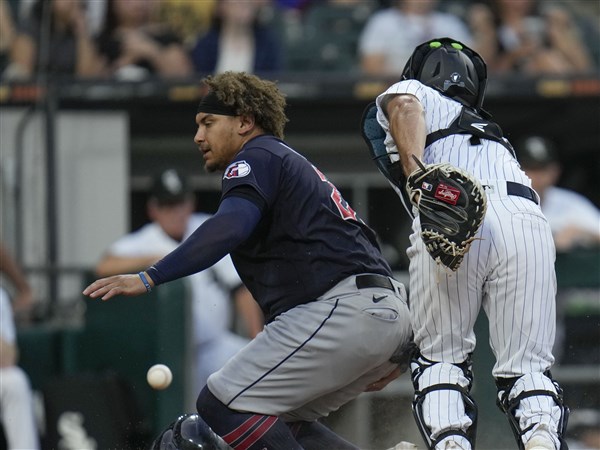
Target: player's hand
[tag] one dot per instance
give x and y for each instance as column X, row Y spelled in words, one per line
column 106, row 288
column 383, row 382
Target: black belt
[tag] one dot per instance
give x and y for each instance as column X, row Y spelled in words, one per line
column 372, row 281
column 521, row 190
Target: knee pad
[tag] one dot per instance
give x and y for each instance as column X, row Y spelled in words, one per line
column 419, row 365
column 540, row 385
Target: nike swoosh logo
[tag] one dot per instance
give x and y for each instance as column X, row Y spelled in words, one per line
column 378, row 299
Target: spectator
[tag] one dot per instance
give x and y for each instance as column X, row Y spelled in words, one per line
column 187, row 18
column 170, row 207
column 16, row 399
column 391, row 34
column 64, row 48
column 94, row 11
column 522, row 36
column 7, row 33
column 238, row 41
column 136, row 46
column 574, row 220
column 23, row 295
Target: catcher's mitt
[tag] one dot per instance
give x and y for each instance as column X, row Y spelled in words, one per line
column 451, row 205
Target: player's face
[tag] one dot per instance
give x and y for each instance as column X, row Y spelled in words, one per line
column 172, row 218
column 218, row 138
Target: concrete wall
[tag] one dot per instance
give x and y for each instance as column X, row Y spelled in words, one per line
column 92, row 188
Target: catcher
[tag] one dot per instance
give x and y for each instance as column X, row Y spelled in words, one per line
column 475, row 213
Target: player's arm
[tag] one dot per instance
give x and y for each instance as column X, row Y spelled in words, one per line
column 231, row 225
column 114, row 264
column 407, row 127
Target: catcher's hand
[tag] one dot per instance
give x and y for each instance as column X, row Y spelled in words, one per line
column 451, row 205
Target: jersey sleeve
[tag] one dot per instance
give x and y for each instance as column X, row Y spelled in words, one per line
column 440, row 111
column 255, row 168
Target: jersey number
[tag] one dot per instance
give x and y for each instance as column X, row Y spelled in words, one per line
column 342, row 205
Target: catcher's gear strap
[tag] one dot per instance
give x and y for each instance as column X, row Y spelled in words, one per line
column 470, row 410
column 418, row 366
column 374, row 135
column 508, row 407
column 469, row 122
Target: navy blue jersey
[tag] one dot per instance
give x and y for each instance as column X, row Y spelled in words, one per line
column 308, row 239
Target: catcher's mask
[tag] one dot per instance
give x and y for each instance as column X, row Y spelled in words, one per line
column 189, row 432
column 450, row 67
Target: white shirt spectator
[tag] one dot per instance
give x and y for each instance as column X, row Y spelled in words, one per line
column 7, row 325
column 566, row 209
column 16, row 398
column 394, row 34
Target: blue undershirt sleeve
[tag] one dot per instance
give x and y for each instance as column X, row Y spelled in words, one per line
column 231, row 225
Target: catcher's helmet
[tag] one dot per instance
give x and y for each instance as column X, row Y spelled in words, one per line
column 450, row 67
column 189, row 432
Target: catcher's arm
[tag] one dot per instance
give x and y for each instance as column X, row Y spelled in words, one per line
column 407, row 127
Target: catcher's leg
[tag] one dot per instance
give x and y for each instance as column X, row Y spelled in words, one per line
column 443, row 407
column 533, row 404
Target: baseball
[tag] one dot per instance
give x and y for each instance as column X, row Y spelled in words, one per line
column 159, row 376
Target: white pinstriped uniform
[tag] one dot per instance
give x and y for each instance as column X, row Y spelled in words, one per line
column 509, row 272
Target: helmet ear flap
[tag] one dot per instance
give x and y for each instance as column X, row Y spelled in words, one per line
column 481, row 72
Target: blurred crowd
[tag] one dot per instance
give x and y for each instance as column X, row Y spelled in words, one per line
column 134, row 39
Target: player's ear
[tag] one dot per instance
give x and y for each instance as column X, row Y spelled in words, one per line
column 246, row 124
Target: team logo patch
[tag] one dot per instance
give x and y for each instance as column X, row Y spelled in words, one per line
column 426, row 186
column 447, row 194
column 238, row 169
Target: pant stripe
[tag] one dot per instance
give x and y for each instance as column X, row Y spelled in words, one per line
column 258, row 432
column 242, row 429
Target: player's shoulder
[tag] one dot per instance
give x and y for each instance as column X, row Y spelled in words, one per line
column 267, row 148
column 423, row 93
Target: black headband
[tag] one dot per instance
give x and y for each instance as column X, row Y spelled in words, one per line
column 212, row 105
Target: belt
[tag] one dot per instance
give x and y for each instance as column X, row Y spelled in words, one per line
column 372, row 281
column 521, row 190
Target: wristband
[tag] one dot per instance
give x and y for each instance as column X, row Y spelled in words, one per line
column 145, row 281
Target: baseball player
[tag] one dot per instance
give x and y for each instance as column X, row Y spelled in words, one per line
column 335, row 316
column 435, row 114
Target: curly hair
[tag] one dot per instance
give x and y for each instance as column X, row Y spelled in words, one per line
column 251, row 95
